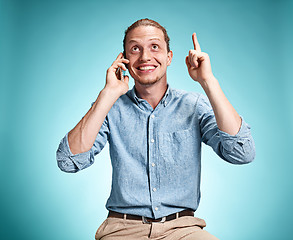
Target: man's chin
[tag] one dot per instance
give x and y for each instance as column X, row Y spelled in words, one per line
column 147, row 82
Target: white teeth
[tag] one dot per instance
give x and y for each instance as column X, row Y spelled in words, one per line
column 147, row 68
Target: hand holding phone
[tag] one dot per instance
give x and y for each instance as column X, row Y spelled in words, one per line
column 116, row 78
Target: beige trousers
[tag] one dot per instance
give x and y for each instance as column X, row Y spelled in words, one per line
column 183, row 228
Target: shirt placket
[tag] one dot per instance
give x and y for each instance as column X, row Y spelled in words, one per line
column 154, row 187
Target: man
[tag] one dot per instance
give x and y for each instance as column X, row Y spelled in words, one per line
column 155, row 134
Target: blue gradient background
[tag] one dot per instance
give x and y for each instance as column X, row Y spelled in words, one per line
column 53, row 59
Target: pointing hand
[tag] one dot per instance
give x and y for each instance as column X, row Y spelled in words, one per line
column 198, row 63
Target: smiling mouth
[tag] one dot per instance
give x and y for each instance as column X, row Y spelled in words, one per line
column 146, row 68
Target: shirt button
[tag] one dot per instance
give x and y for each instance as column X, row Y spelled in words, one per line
column 156, row 209
column 154, row 189
column 153, row 164
column 152, row 116
column 152, row 140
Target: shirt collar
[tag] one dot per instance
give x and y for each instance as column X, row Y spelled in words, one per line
column 165, row 100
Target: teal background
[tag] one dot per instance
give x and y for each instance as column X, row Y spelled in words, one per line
column 53, row 59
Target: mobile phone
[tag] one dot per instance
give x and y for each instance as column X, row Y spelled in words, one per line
column 120, row 73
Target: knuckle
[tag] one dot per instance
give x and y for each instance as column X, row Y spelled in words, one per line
column 194, row 53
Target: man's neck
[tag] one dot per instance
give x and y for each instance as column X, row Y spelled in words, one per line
column 153, row 94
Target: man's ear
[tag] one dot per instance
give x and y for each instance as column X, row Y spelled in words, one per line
column 170, row 56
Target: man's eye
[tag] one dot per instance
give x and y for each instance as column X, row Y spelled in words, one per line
column 135, row 49
column 155, row 47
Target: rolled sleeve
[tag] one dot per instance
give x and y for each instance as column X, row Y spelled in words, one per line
column 69, row 162
column 240, row 148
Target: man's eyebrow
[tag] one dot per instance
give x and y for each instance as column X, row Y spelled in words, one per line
column 133, row 40
column 155, row 39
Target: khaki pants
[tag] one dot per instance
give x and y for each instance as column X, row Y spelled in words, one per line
column 183, row 228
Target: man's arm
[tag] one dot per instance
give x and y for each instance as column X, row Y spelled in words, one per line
column 236, row 149
column 82, row 137
column 199, row 68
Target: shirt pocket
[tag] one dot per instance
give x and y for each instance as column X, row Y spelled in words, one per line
column 177, row 146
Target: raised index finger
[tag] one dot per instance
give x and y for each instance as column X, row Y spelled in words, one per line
column 195, row 42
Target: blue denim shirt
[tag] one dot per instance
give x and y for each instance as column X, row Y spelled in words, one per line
column 156, row 153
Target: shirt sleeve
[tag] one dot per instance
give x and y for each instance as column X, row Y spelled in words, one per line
column 69, row 162
column 238, row 149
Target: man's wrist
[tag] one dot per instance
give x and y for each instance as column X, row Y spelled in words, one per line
column 209, row 83
column 110, row 92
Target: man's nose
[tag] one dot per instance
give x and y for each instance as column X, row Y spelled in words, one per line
column 145, row 55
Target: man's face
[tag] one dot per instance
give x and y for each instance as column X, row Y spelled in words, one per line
column 146, row 50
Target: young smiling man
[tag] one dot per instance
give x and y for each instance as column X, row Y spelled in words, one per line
column 155, row 134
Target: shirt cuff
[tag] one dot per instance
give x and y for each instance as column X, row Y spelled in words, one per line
column 81, row 160
column 228, row 141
